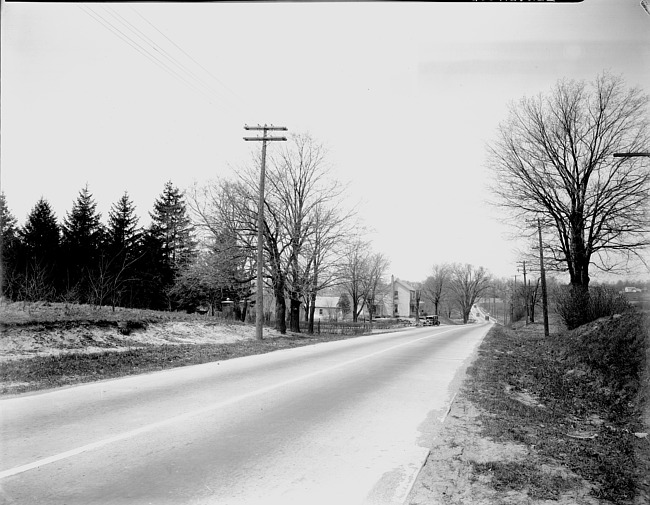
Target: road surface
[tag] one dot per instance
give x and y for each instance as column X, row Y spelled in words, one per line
column 343, row 422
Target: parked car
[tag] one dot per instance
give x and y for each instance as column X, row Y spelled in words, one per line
column 431, row 320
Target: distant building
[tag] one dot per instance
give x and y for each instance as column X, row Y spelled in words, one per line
column 327, row 308
column 632, row 289
column 399, row 301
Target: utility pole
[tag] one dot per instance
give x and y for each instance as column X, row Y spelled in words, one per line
column 525, row 290
column 259, row 300
column 543, row 275
column 513, row 305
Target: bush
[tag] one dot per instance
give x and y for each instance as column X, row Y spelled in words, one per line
column 580, row 306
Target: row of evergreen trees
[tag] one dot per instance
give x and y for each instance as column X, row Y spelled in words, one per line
column 82, row 260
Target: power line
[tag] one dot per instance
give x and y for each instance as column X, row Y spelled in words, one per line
column 143, row 51
column 191, row 58
column 163, row 52
column 185, row 78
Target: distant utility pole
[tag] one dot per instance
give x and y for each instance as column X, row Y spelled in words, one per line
column 513, row 305
column 543, row 276
column 259, row 301
column 525, row 289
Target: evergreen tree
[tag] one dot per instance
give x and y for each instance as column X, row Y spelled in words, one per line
column 83, row 239
column 40, row 253
column 173, row 227
column 9, row 251
column 172, row 230
column 121, row 252
column 122, row 233
column 154, row 272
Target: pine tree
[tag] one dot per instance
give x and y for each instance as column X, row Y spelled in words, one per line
column 83, row 239
column 122, row 226
column 40, row 253
column 172, row 230
column 155, row 275
column 121, row 252
column 10, row 246
column 171, row 224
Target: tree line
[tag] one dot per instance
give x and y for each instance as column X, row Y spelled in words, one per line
column 82, row 260
column 200, row 248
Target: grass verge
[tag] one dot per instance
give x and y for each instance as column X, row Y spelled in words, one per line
column 32, row 374
column 574, row 399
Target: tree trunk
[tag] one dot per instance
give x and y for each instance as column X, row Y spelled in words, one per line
column 312, row 310
column 280, row 304
column 532, row 309
column 280, row 313
column 294, row 315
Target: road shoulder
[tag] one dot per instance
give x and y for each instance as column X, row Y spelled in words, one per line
column 533, row 424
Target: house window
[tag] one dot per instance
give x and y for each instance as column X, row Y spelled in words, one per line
column 396, row 294
column 320, row 312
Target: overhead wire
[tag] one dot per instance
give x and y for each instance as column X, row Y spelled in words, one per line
column 221, row 83
column 163, row 52
column 145, row 52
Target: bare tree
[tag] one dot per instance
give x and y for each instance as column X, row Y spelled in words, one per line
column 434, row 287
column 376, row 266
column 323, row 251
column 467, row 285
column 299, row 180
column 298, row 226
column 353, row 274
column 553, row 160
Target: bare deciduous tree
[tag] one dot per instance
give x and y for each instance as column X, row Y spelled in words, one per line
column 299, row 181
column 435, row 285
column 323, row 250
column 299, row 228
column 467, row 284
column 553, row 160
column 353, row 274
column 376, row 266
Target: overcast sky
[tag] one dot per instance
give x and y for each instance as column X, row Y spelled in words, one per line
column 405, row 95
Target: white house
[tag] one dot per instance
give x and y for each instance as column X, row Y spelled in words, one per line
column 403, row 300
column 326, row 308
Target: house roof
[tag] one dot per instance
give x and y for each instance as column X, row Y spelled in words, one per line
column 405, row 284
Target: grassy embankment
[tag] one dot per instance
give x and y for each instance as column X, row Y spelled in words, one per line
column 135, row 356
column 575, row 399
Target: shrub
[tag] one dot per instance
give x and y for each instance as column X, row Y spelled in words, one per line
column 579, row 306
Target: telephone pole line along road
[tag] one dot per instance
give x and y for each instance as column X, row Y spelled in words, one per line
column 343, row 422
column 259, row 299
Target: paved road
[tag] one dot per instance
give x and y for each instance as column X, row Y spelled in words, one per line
column 343, row 422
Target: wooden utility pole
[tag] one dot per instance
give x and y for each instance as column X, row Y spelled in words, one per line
column 525, row 289
column 259, row 300
column 543, row 276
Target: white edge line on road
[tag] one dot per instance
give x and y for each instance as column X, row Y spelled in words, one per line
column 150, row 427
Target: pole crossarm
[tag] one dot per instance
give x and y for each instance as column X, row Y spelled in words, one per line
column 259, row 298
column 266, row 127
column 266, row 138
column 631, row 155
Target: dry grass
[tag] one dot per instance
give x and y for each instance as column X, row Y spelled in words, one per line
column 573, row 400
column 52, row 345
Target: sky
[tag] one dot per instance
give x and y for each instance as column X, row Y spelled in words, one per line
column 405, row 96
